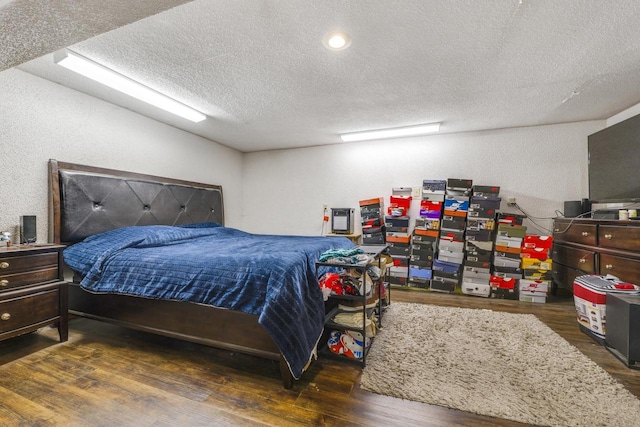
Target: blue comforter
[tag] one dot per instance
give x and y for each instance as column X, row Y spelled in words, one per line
column 270, row 276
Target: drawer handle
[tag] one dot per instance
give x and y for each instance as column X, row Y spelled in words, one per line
column 582, row 260
column 609, row 266
column 4, row 264
column 585, row 233
column 608, row 236
column 5, row 316
column 4, row 282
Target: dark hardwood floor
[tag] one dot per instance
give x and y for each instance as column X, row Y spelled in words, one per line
column 106, row 375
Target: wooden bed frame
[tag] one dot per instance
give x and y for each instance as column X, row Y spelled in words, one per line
column 146, row 202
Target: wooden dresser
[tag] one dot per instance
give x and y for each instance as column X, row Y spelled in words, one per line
column 587, row 246
column 32, row 291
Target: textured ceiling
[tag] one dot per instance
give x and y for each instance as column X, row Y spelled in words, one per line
column 261, row 73
column 32, row 28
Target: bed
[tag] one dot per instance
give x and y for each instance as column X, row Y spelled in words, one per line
column 238, row 305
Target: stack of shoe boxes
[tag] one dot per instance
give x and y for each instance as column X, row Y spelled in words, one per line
column 372, row 221
column 447, row 266
column 479, row 239
column 537, row 265
column 425, row 233
column 398, row 235
column 507, row 270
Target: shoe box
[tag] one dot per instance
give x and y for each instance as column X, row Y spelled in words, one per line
column 434, row 190
column 504, row 287
column 459, row 187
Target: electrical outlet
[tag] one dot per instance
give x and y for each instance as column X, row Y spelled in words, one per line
column 417, row 192
column 511, row 201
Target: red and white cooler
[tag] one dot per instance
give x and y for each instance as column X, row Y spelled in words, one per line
column 590, row 297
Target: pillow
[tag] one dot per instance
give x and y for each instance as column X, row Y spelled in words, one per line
column 201, row 225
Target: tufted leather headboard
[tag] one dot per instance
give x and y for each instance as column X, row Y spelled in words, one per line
column 86, row 200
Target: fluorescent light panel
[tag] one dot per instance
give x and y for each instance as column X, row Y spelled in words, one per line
column 391, row 133
column 117, row 81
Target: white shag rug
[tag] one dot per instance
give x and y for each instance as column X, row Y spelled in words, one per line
column 491, row 363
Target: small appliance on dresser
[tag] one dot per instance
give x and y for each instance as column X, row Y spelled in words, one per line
column 32, row 291
column 342, row 220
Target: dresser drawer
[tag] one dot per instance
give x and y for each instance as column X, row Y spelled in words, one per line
column 585, row 234
column 27, row 310
column 18, row 264
column 580, row 259
column 619, row 237
column 564, row 276
column 624, row 268
column 22, row 279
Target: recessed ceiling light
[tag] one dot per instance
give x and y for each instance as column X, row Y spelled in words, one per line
column 391, row 133
column 336, row 41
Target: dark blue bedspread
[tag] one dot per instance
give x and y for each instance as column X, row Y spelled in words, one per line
column 270, row 276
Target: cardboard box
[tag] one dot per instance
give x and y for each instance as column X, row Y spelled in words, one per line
column 448, row 256
column 398, row 238
column 426, row 233
column 415, row 282
column 510, row 218
column 434, row 186
column 480, row 265
column 481, row 224
column 469, row 287
column 503, row 282
column 476, row 276
column 512, row 231
column 537, row 242
column 533, row 298
column 401, row 249
column 534, row 287
column 452, row 235
column 456, row 206
column 538, row 274
column 427, row 223
column 537, row 253
column 502, row 254
column 420, row 263
column 479, row 235
column 484, row 203
column 501, row 293
column 459, row 187
column 455, row 223
column 500, row 270
column 485, row 190
column 420, row 273
column 446, row 267
column 537, row 264
column 424, row 237
column 376, row 201
column 431, row 206
column 450, row 245
column 426, row 255
column 443, row 284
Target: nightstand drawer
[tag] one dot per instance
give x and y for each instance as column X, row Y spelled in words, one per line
column 22, row 279
column 31, row 309
column 18, row 264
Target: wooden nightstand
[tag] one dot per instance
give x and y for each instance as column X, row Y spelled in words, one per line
column 32, row 291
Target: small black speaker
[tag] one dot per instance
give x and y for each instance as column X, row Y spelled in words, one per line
column 573, row 209
column 28, row 233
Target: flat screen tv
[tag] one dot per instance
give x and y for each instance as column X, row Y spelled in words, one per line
column 614, row 162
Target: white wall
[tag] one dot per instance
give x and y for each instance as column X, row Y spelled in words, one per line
column 284, row 190
column 40, row 120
